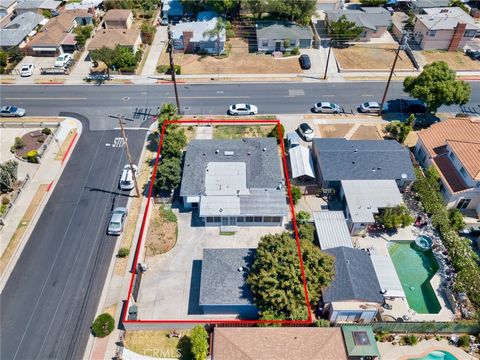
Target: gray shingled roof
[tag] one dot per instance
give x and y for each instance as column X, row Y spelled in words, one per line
column 341, row 159
column 431, row 3
column 282, row 30
column 221, row 281
column 369, row 18
column 18, row 29
column 355, row 277
column 446, row 19
column 263, row 167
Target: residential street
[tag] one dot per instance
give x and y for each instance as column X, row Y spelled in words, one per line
column 96, row 102
column 51, row 297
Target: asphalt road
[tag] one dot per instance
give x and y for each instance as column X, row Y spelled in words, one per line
column 96, row 102
column 50, row 299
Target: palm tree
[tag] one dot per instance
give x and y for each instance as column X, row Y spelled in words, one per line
column 217, row 32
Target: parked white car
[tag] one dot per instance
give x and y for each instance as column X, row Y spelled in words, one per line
column 27, row 70
column 306, row 132
column 117, row 221
column 243, row 109
column 11, row 111
column 370, row 107
column 63, row 60
column 327, row 108
column 126, row 180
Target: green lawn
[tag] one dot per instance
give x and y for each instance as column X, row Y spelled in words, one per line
column 157, row 344
column 241, row 131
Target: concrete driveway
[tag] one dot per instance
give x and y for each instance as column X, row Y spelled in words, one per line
column 38, row 62
column 170, row 288
column 318, row 63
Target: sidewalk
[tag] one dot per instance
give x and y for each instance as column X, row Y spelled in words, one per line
column 158, row 44
column 46, row 175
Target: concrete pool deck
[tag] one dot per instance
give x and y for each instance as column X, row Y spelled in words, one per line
column 400, row 306
column 397, row 352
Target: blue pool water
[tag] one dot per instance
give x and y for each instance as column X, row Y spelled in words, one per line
column 437, row 355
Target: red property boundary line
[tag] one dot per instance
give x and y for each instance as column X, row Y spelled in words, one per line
column 307, row 321
column 69, row 148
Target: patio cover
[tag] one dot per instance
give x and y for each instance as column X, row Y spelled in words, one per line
column 387, row 275
column 332, row 229
column 301, row 162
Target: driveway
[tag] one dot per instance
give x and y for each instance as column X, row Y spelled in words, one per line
column 38, row 62
column 318, row 63
column 170, row 288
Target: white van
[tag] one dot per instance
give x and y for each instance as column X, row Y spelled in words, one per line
column 126, row 180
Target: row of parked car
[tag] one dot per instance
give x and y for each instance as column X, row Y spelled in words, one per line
column 62, row 62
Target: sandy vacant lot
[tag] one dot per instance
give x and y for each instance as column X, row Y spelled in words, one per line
column 372, row 57
column 240, row 61
column 363, row 132
column 456, row 60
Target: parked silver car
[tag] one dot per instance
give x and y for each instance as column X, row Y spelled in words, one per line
column 243, row 109
column 11, row 111
column 370, row 107
column 327, row 108
column 117, row 221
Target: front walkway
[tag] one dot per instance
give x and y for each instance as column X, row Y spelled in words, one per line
column 156, row 49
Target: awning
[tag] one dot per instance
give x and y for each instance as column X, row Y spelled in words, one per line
column 35, row 48
column 301, row 162
column 387, row 275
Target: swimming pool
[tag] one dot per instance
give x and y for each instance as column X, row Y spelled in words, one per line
column 437, row 355
column 415, row 268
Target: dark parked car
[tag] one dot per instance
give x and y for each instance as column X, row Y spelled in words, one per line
column 305, row 63
column 413, row 107
column 473, row 54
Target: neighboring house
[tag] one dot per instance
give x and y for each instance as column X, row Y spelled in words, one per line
column 301, row 163
column 111, row 38
column 360, row 342
column 234, row 182
column 248, row 343
column 341, row 159
column 118, row 19
column 172, row 10
column 373, row 20
column 223, row 287
column 453, row 147
column 332, row 230
column 363, row 199
column 6, row 11
column 17, row 32
column 56, row 36
column 418, row 6
column 38, row 6
column 354, row 295
column 444, row 29
column 91, row 5
column 191, row 37
column 282, row 36
column 325, row 5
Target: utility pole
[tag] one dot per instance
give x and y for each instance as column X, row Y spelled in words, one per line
column 328, row 59
column 129, row 157
column 172, row 67
column 401, row 46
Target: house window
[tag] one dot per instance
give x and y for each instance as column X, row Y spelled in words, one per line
column 463, row 203
column 421, row 154
column 240, row 219
column 452, row 155
column 276, row 219
column 267, row 219
column 258, row 219
column 432, row 33
column 463, row 172
column 210, row 219
column 249, row 219
column 217, row 219
column 470, row 33
column 264, row 43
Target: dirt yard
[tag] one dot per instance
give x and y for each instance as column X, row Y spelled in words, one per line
column 162, row 231
column 157, row 344
column 365, row 132
column 240, row 61
column 333, row 131
column 456, row 60
column 372, row 57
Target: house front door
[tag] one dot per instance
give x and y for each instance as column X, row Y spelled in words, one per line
column 278, row 46
column 229, row 221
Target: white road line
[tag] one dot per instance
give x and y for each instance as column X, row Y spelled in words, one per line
column 46, row 98
column 211, row 97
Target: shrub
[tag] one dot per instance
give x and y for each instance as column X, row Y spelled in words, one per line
column 295, row 51
column 464, row 341
column 19, row 143
column 123, row 252
column 306, row 232
column 5, row 200
column 322, row 323
column 296, row 194
column 3, row 58
column 395, row 217
column 456, row 220
column 274, row 133
column 303, row 217
column 382, row 336
column 147, row 32
column 165, row 69
column 46, row 131
column 199, row 340
column 461, row 115
column 103, row 325
column 410, row 340
column 31, row 156
column 168, row 214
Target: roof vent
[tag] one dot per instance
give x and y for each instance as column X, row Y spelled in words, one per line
column 217, row 151
column 240, row 269
column 249, row 153
column 228, row 153
column 347, row 261
column 373, row 169
column 355, row 151
column 264, row 149
column 220, row 210
column 353, row 162
column 404, row 176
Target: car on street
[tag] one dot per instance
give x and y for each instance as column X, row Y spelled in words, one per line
column 243, row 109
column 370, row 107
column 473, row 54
column 117, row 221
column 126, row 180
column 306, row 132
column 27, row 70
column 63, row 60
column 11, row 111
column 305, row 63
column 327, row 108
column 416, row 107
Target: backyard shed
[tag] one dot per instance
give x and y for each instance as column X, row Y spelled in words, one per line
column 301, row 162
column 332, row 229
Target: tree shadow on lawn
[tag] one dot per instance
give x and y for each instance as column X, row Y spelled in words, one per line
column 184, row 348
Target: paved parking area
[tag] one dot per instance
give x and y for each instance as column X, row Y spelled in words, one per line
column 170, row 288
column 38, row 62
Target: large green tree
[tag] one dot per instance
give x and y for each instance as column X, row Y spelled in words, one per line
column 295, row 10
column 223, row 7
column 256, row 7
column 199, row 341
column 373, row 3
column 275, row 277
column 173, row 142
column 168, row 174
column 82, row 34
column 342, row 30
column 395, row 217
column 437, row 86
